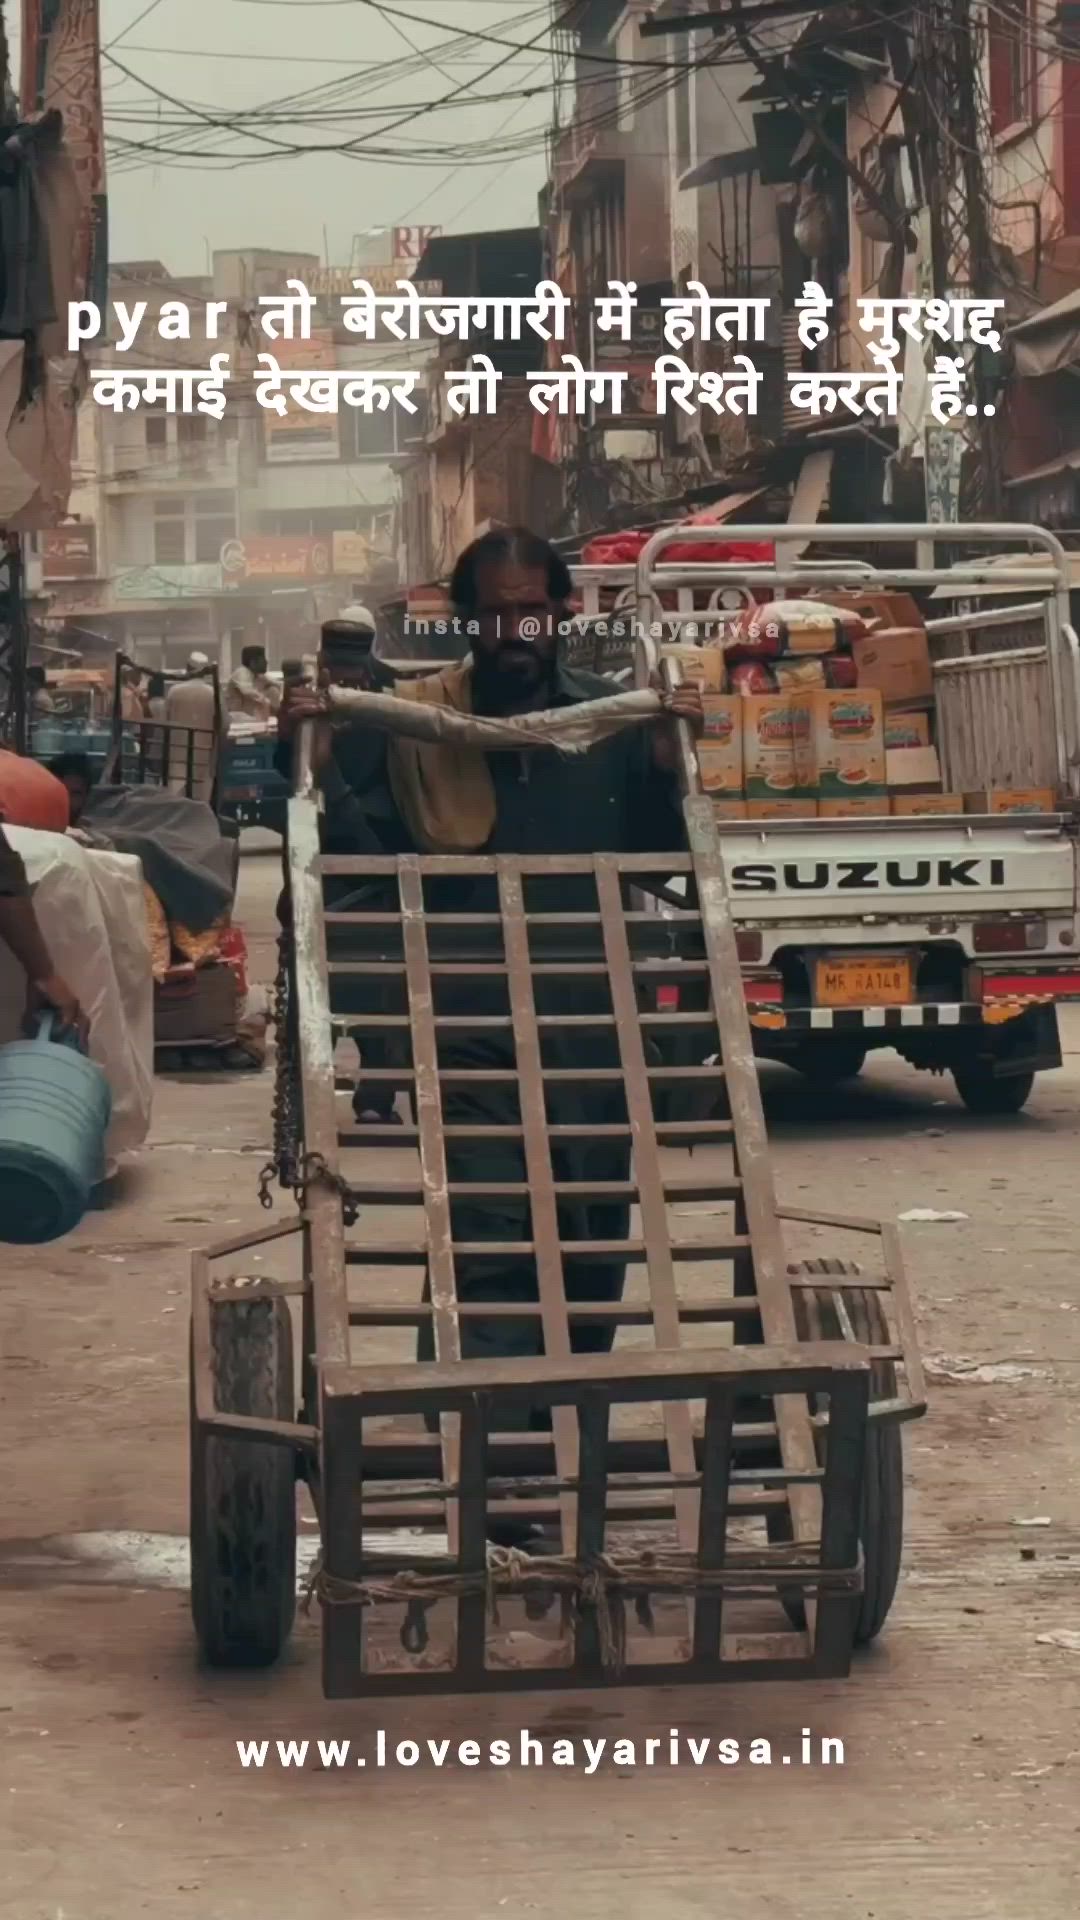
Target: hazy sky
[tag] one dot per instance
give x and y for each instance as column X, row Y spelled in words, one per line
column 230, row 55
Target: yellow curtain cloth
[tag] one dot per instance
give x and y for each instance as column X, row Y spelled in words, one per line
column 445, row 795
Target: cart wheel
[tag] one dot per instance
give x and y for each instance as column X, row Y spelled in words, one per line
column 881, row 1525
column 243, row 1494
column 982, row 1092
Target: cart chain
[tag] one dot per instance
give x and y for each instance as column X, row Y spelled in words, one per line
column 283, row 1165
column 313, row 1171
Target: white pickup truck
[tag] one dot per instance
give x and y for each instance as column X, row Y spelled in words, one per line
column 951, row 938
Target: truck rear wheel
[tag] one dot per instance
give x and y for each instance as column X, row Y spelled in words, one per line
column 983, row 1092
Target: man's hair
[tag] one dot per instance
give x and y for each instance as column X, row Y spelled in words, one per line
column 72, row 763
column 35, row 676
column 155, row 686
column 292, row 669
column 250, row 654
column 525, row 549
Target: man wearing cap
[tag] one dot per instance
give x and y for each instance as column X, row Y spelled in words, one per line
column 193, row 718
column 360, row 815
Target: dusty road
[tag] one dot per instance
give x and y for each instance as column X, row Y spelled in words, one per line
column 121, row 1793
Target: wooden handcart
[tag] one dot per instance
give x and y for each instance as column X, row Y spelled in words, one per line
column 719, row 1496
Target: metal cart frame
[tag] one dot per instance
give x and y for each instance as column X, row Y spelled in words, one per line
column 752, row 1531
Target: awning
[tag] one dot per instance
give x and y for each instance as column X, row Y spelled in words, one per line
column 720, row 166
column 1065, row 463
column 1048, row 341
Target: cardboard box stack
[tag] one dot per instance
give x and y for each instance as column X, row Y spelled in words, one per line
column 1011, row 800
column 826, row 707
column 894, row 658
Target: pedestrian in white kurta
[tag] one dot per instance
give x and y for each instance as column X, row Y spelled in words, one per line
column 192, row 716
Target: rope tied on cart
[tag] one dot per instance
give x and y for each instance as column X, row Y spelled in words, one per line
column 597, row 1587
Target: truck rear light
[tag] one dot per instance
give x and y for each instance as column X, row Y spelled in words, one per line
column 764, row 988
column 1009, row 936
column 749, row 947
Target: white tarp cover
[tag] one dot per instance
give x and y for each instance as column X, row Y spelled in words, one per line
column 92, row 912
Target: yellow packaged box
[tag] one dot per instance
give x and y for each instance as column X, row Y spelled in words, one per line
column 729, row 809
column 840, row 743
column 918, row 803
column 781, row 809
column 769, row 746
column 706, row 667
column 720, row 750
column 1011, row 800
column 904, row 729
column 911, row 767
column 864, row 806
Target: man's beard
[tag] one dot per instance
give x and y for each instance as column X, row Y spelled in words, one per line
column 513, row 677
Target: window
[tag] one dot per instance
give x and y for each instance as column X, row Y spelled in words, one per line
column 157, row 429
column 1013, row 65
column 378, row 435
column 215, row 523
column 210, row 537
column 170, row 533
column 375, row 434
column 191, row 439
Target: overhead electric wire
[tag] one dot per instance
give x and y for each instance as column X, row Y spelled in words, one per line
column 478, row 152
column 229, row 123
column 178, row 143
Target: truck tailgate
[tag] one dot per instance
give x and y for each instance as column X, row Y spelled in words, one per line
column 837, row 869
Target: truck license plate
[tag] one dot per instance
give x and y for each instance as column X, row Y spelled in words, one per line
column 861, row 982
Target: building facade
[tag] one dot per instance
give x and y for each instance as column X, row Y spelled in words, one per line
column 187, row 532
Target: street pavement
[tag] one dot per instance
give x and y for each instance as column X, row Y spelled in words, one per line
column 121, row 1794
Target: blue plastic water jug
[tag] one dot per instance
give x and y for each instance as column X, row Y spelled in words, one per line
column 54, row 1114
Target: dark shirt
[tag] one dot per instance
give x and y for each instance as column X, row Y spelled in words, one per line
column 360, row 815
column 612, row 799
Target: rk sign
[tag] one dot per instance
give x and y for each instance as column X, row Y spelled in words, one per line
column 409, row 242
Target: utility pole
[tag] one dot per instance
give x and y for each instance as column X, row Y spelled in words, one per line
column 943, row 108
